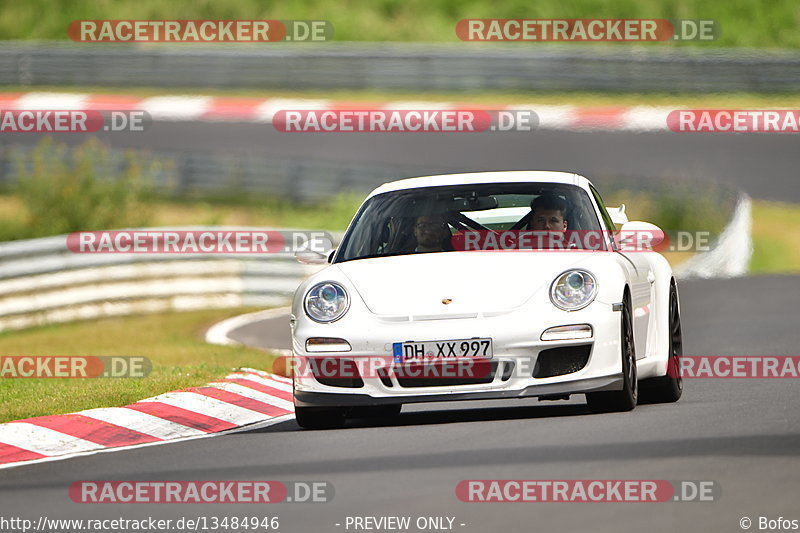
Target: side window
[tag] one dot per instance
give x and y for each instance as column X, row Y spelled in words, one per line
column 606, row 217
column 609, row 224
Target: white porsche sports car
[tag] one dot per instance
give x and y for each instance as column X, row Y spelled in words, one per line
column 485, row 285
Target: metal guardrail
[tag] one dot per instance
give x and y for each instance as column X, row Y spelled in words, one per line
column 42, row 282
column 402, row 67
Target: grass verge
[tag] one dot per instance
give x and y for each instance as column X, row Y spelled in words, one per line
column 776, row 238
column 172, row 341
column 333, row 215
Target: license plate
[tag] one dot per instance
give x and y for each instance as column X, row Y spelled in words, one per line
column 404, row 352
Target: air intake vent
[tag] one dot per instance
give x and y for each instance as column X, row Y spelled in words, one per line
column 336, row 372
column 560, row 361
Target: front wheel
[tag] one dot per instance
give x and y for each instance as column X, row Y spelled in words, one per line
column 320, row 417
column 626, row 399
column 669, row 388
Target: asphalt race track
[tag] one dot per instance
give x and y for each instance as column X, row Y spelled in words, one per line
column 743, row 434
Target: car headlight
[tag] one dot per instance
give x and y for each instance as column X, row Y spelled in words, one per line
column 326, row 302
column 573, row 290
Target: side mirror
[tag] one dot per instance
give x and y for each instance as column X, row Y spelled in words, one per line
column 617, row 214
column 310, row 257
column 639, row 236
column 318, row 251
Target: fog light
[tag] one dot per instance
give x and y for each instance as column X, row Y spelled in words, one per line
column 567, row 333
column 327, row 344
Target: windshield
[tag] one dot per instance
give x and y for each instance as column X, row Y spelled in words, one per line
column 455, row 218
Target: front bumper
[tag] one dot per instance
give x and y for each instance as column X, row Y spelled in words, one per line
column 579, row 386
column 516, row 343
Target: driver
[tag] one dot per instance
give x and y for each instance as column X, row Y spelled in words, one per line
column 548, row 213
column 432, row 234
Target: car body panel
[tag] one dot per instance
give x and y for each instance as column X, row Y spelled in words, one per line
column 502, row 295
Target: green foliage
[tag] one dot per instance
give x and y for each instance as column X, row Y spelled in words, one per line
column 776, row 238
column 746, row 23
column 333, row 215
column 84, row 189
column 673, row 205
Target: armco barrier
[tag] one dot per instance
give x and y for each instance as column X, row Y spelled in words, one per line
column 402, row 67
column 42, row 282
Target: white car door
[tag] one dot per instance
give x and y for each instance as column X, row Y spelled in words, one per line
column 641, row 298
column 642, row 281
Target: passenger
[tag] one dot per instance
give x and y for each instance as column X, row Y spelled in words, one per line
column 432, row 234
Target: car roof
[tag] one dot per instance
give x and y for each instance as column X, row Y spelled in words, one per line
column 506, row 176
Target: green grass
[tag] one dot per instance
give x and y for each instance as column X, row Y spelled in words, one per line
column 172, row 341
column 776, row 238
column 748, row 23
column 264, row 211
column 679, row 208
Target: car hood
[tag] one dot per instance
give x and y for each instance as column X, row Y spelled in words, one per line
column 476, row 283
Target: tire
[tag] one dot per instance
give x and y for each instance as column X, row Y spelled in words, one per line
column 625, row 399
column 377, row 411
column 669, row 388
column 320, row 417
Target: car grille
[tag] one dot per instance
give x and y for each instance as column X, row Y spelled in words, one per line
column 560, row 361
column 412, row 375
column 444, row 375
